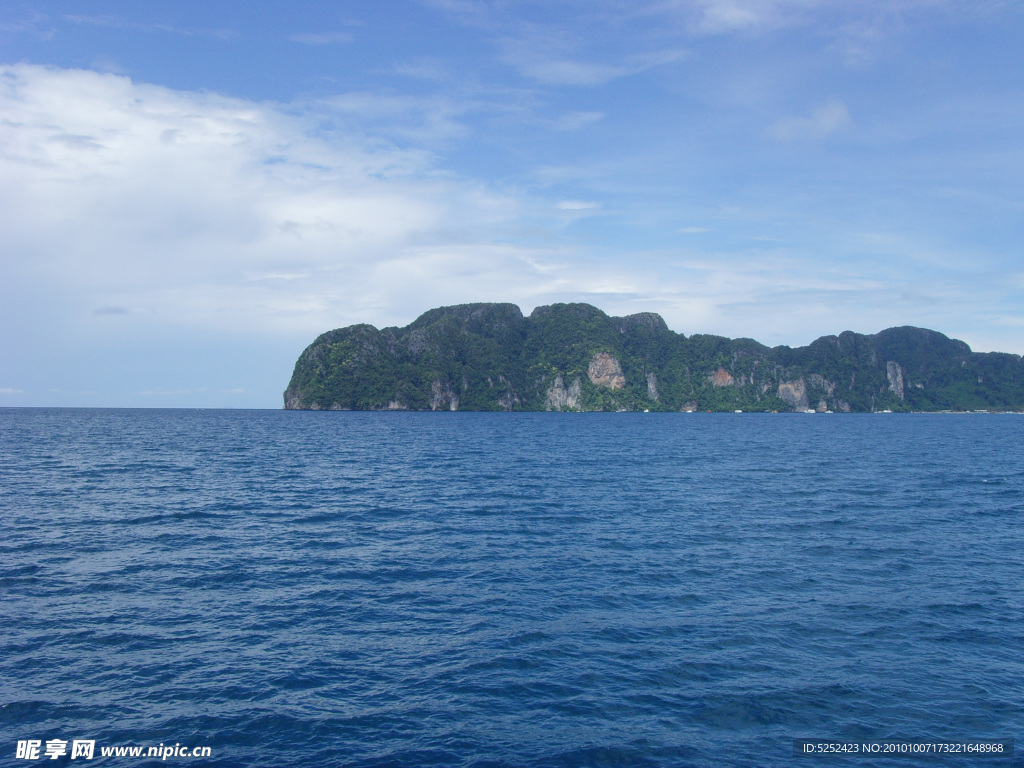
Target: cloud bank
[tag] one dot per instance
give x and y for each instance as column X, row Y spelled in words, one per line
column 131, row 203
column 195, row 209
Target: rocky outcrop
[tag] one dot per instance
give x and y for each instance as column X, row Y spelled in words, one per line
column 722, row 378
column 509, row 401
column 441, row 396
column 820, row 383
column 652, row 387
column 560, row 398
column 794, row 393
column 894, row 373
column 605, row 371
column 293, row 400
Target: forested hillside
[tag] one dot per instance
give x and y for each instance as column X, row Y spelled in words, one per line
column 488, row 357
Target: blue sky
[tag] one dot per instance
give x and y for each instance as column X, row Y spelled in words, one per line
column 190, row 193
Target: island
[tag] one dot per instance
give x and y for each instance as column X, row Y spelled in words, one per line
column 574, row 357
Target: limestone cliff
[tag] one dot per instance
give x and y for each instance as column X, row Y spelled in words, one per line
column 559, row 398
column 605, row 371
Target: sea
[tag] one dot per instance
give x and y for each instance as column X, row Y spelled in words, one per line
column 284, row 588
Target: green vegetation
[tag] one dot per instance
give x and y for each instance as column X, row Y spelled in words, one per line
column 486, row 357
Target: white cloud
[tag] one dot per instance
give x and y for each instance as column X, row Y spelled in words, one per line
column 10, row 391
column 425, row 121
column 37, row 25
column 423, row 69
column 574, row 121
column 547, row 57
column 119, row 22
column 550, row 175
column 822, row 122
column 730, row 15
column 467, row 11
column 195, row 209
column 321, row 38
column 859, row 33
column 746, row 16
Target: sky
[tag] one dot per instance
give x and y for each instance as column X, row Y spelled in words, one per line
column 191, row 192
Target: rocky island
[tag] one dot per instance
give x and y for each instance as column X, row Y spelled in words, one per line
column 490, row 357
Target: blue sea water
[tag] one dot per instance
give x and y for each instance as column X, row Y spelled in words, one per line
column 410, row 589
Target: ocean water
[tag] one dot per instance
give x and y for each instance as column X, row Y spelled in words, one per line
column 409, row 589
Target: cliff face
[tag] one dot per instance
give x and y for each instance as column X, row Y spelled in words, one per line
column 575, row 357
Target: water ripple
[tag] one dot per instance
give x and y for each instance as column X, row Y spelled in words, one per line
column 508, row 589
